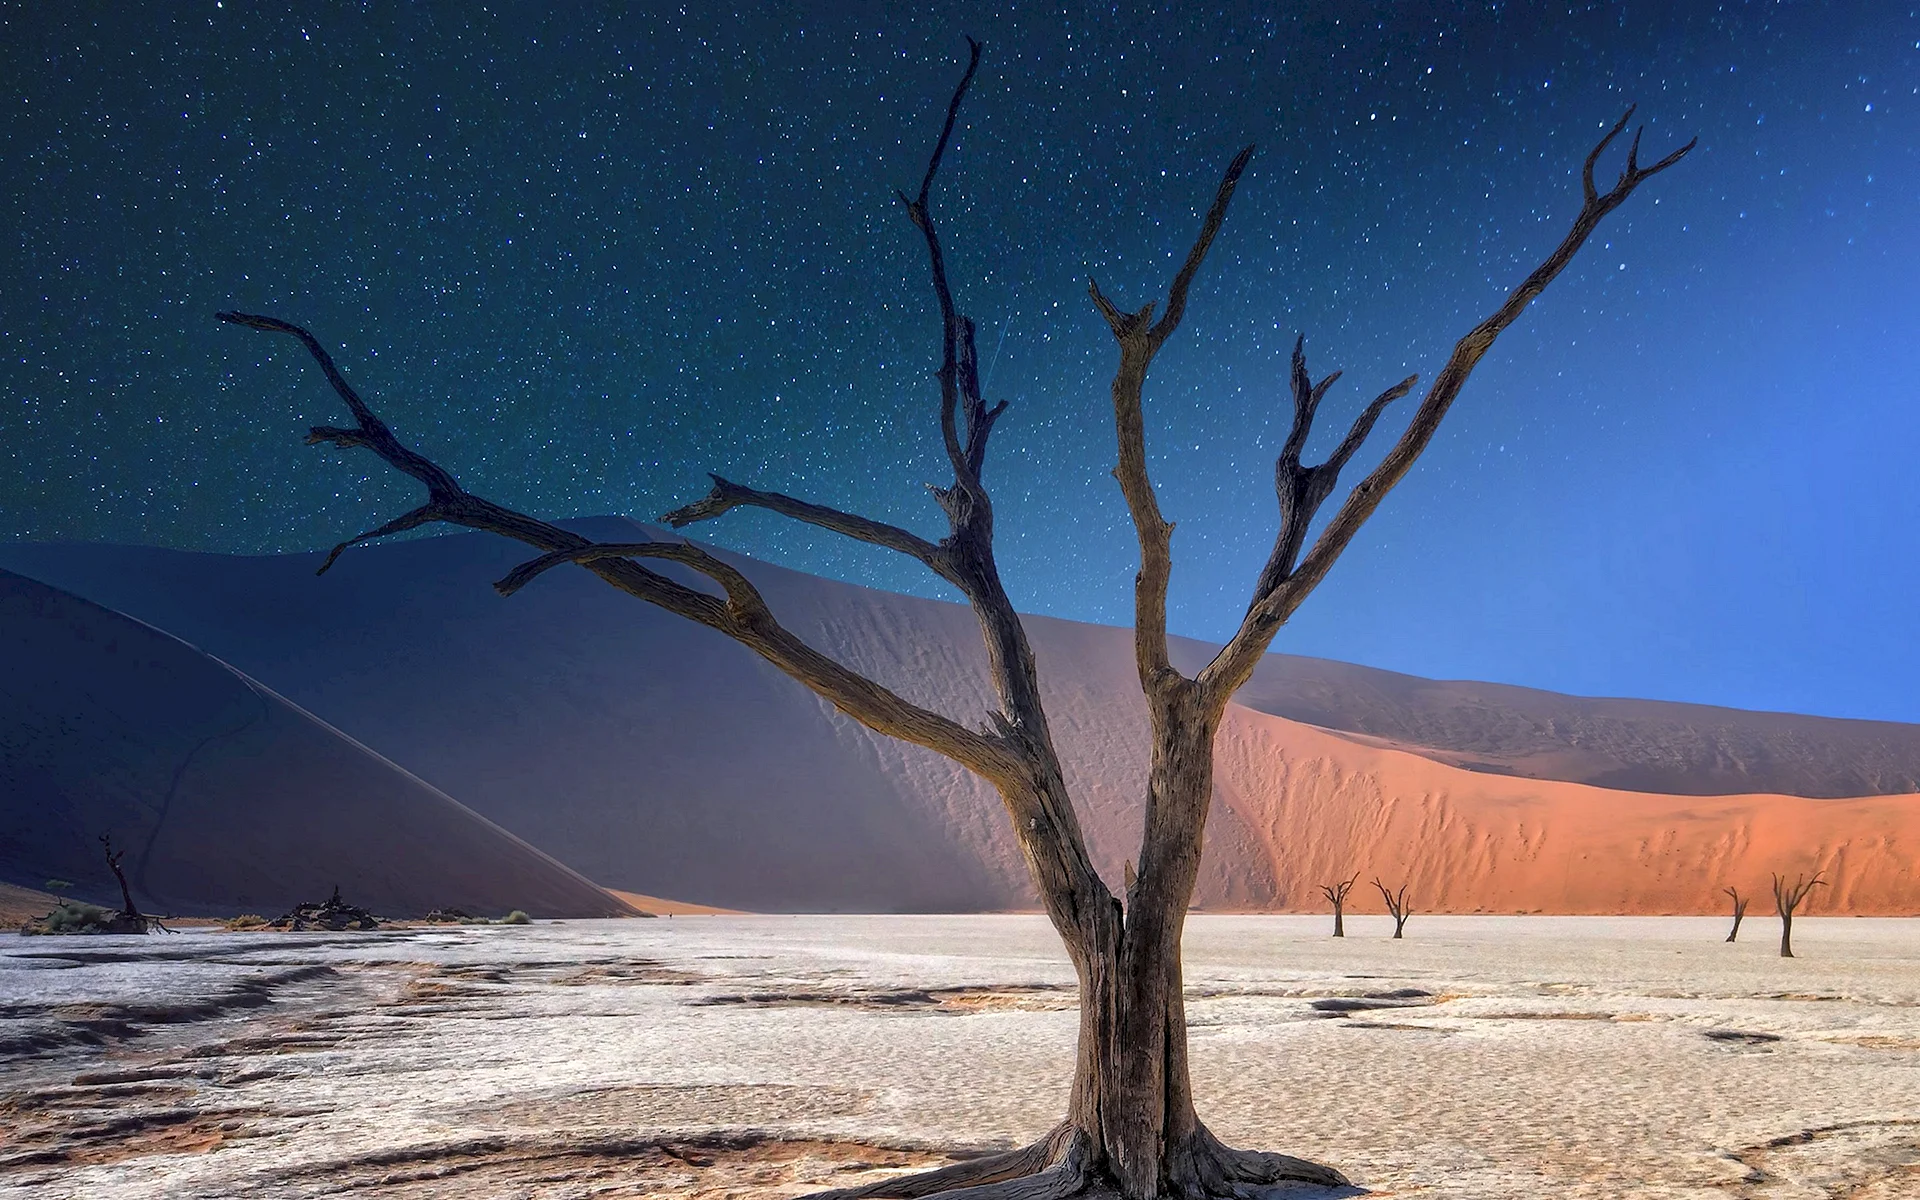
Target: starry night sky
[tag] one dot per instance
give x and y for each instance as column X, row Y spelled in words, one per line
column 582, row 257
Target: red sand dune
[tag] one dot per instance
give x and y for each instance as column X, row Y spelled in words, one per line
column 661, row 758
column 225, row 797
column 660, row 907
column 1469, row 842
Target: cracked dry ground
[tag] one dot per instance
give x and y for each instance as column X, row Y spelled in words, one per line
column 1482, row 1058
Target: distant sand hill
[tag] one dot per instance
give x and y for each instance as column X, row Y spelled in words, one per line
column 226, row 798
column 659, row 758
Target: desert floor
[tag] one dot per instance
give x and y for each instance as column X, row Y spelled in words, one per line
column 766, row 1056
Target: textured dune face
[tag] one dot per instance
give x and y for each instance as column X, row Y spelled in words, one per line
column 1635, row 745
column 1470, row 842
column 663, row 759
column 225, row 797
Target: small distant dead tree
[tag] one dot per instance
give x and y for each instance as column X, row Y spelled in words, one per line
column 1396, row 905
column 1131, row 1128
column 128, row 908
column 128, row 920
column 1336, row 894
column 1739, row 911
column 1786, row 898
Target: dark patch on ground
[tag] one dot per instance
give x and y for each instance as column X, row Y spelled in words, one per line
column 1334, row 1006
column 1032, row 997
column 1744, row 1036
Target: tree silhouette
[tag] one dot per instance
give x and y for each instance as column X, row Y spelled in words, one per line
column 1739, row 912
column 1396, row 905
column 1131, row 1127
column 1787, row 898
column 1336, row 894
column 128, row 908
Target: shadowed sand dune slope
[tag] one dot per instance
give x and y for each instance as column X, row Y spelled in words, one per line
column 225, row 797
column 661, row 758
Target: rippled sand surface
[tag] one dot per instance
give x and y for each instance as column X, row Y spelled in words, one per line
column 724, row 1056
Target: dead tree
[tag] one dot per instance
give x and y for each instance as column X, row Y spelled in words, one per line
column 1130, row 1126
column 128, row 908
column 1786, row 898
column 1396, row 905
column 1336, row 894
column 1739, row 912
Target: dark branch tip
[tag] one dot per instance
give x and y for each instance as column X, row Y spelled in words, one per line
column 333, row 556
column 255, row 321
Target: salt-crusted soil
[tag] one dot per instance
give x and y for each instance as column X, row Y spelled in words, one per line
column 724, row 1056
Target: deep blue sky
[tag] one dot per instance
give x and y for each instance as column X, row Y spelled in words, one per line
column 580, row 259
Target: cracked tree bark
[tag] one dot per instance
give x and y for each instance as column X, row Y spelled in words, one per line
column 1131, row 1127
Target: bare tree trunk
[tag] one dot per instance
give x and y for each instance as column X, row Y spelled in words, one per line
column 1739, row 912
column 1336, row 894
column 1396, row 905
column 128, row 908
column 1132, row 1102
column 1786, row 898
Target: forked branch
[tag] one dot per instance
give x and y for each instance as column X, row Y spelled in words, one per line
column 1283, row 585
column 1301, row 490
column 1786, row 898
column 966, row 421
column 1396, row 905
column 1739, row 912
column 1336, row 894
column 1140, row 338
column 727, row 496
column 959, row 375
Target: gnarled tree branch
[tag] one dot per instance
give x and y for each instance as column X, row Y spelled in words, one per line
column 1140, row 338
column 743, row 615
column 727, row 495
column 1302, row 490
column 1016, row 754
column 956, row 330
column 1053, row 839
column 1289, row 586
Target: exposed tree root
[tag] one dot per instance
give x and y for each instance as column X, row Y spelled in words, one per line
column 1024, row 1164
column 1057, row 1166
